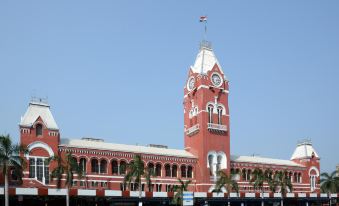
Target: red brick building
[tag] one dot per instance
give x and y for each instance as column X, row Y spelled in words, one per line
column 207, row 145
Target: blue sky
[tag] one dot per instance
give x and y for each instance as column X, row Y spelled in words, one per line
column 116, row 69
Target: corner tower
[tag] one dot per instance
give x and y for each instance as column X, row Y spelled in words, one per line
column 206, row 117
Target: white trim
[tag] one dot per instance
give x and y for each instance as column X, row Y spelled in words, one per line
column 136, row 194
column 113, row 193
column 313, row 195
column 301, row 194
column 234, row 194
column 250, row 194
column 216, row 194
column 266, row 195
column 290, row 194
column 200, row 194
column 2, row 191
column 323, row 195
column 87, row 192
column 58, row 192
column 313, row 168
column 277, row 195
column 159, row 194
column 26, row 191
column 42, row 145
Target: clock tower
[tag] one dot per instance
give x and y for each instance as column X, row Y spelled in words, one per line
column 206, row 118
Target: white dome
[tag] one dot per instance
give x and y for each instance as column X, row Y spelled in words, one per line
column 304, row 150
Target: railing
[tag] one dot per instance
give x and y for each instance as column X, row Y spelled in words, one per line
column 217, row 127
column 192, row 130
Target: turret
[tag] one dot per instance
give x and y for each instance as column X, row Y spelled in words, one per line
column 306, row 155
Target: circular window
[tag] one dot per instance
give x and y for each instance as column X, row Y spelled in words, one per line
column 216, row 79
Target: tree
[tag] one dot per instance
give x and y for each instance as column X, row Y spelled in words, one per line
column 68, row 166
column 135, row 171
column 227, row 182
column 258, row 179
column 282, row 181
column 179, row 190
column 10, row 160
column 329, row 182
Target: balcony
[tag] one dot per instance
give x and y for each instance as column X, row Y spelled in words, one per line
column 192, row 130
column 217, row 128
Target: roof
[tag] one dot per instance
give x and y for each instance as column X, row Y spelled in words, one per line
column 304, row 150
column 264, row 160
column 79, row 143
column 205, row 60
column 36, row 110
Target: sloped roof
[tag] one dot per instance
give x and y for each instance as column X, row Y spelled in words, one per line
column 205, row 59
column 304, row 150
column 36, row 110
column 264, row 160
column 79, row 143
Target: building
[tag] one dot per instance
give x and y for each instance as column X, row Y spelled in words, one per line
column 337, row 168
column 206, row 136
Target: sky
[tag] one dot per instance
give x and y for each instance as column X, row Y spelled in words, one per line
column 116, row 69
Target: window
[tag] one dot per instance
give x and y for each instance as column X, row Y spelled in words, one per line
column 95, row 166
column 210, row 113
column 46, row 170
column 150, row 167
column 115, row 167
column 38, row 130
column 103, row 184
column 39, row 169
column 75, row 183
column 32, row 168
column 183, row 171
column 210, row 163
column 174, row 170
column 219, row 159
column 82, row 183
column 103, row 166
column 158, row 187
column 189, row 172
column 123, row 186
column 158, row 170
column 122, row 167
column 167, row 170
column 82, row 165
column 219, row 115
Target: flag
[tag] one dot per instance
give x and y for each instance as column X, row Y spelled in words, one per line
column 203, row 18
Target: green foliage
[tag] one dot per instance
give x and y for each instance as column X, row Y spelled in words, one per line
column 282, row 181
column 68, row 166
column 329, row 182
column 10, row 158
column 179, row 190
column 135, row 171
column 226, row 181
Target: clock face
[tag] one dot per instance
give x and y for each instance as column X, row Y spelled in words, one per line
column 216, row 80
column 190, row 83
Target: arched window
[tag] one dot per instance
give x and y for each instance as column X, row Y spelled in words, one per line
column 167, row 170
column 299, row 178
column 94, row 166
column 174, row 170
column 38, row 130
column 115, row 167
column 210, row 113
column 158, row 170
column 82, row 165
column 189, row 172
column 219, row 159
column 249, row 172
column 103, row 166
column 243, row 175
column 183, row 171
column 210, row 163
column 123, row 165
column 219, row 115
column 150, row 167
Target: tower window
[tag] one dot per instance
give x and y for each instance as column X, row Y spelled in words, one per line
column 210, row 113
column 219, row 115
column 38, row 130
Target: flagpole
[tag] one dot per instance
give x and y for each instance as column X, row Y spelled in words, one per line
column 205, row 36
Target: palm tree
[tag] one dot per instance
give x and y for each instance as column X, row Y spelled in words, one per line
column 135, row 171
column 10, row 160
column 68, row 166
column 282, row 181
column 226, row 181
column 329, row 183
column 258, row 180
column 179, row 190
